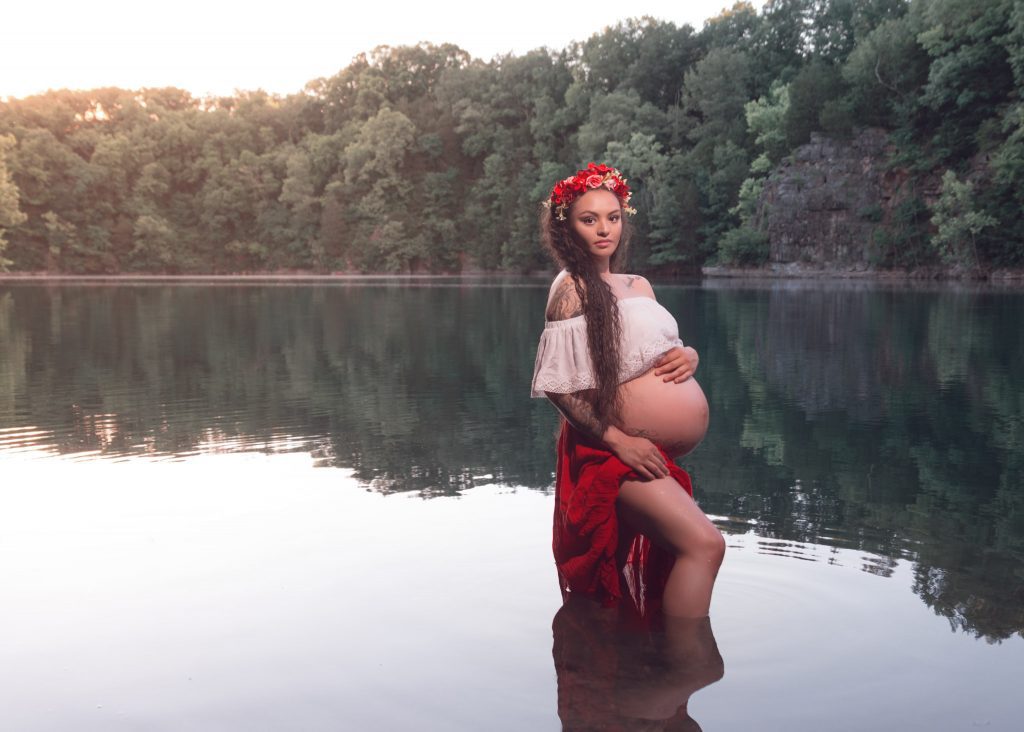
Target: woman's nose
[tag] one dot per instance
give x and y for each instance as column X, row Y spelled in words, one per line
column 602, row 227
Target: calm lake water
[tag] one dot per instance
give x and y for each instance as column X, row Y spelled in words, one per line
column 328, row 506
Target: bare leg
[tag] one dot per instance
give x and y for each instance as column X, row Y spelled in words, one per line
column 663, row 511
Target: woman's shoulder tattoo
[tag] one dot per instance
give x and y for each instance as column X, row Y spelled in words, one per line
column 565, row 303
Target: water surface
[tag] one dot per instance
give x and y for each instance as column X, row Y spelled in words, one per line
column 328, row 506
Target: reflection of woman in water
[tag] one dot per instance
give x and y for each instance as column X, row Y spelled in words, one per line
column 617, row 675
column 611, row 361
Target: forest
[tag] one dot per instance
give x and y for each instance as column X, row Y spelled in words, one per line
column 423, row 159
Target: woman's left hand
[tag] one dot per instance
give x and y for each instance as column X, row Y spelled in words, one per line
column 678, row 364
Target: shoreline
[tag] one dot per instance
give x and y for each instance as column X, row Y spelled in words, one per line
column 255, row 277
column 795, row 271
column 715, row 275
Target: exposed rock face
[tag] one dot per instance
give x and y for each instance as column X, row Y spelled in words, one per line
column 821, row 206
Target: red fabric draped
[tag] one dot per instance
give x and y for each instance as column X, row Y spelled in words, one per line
column 586, row 527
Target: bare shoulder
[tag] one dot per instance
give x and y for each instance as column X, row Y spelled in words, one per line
column 637, row 285
column 563, row 300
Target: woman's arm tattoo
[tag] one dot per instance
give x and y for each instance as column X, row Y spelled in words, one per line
column 670, row 446
column 641, row 433
column 565, row 302
column 580, row 414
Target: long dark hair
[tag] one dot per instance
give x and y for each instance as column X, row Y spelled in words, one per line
column 599, row 305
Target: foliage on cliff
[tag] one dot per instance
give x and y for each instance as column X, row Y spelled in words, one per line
column 424, row 159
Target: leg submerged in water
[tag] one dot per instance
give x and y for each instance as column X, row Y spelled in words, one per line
column 668, row 516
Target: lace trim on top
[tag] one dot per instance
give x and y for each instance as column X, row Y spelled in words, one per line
column 649, row 354
column 563, row 361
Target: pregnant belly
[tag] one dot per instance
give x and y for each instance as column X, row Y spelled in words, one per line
column 674, row 416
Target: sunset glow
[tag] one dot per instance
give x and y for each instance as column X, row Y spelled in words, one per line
column 215, row 48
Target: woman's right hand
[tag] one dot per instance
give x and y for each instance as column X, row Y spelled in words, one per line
column 638, row 453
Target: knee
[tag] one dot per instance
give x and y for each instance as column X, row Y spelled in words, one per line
column 709, row 547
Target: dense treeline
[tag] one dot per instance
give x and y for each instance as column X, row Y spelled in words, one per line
column 424, row 159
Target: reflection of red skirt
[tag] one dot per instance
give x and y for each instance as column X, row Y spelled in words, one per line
column 586, row 531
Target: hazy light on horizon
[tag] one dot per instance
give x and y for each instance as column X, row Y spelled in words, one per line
column 213, row 49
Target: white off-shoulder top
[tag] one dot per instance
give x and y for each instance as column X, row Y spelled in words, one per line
column 563, row 362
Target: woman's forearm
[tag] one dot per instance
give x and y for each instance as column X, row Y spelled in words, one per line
column 636, row 451
column 579, row 412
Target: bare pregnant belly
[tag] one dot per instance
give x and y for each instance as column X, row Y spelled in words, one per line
column 674, row 416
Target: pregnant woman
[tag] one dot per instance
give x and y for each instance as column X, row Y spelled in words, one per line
column 611, row 361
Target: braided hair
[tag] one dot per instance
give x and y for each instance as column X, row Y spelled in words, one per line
column 598, row 303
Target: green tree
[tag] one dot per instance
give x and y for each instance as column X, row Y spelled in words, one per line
column 836, row 26
column 639, row 55
column 420, row 157
column 735, row 27
column 970, row 71
column 744, row 246
column 884, row 73
column 958, row 222
column 1004, row 199
column 816, row 84
column 766, row 120
column 782, row 40
column 616, row 117
column 10, row 214
column 380, row 192
column 643, row 162
column 714, row 94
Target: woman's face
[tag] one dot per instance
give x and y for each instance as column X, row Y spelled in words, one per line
column 596, row 221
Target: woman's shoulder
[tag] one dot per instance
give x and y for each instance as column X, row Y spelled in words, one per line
column 563, row 300
column 635, row 285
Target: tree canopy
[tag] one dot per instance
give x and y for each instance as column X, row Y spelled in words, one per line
column 422, row 158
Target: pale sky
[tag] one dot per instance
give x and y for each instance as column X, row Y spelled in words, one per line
column 214, row 47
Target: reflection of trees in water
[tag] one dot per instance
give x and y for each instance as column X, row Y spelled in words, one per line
column 411, row 391
column 881, row 421
column 891, row 423
column 436, row 387
column 978, row 591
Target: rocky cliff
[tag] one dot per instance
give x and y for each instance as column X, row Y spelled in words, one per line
column 821, row 206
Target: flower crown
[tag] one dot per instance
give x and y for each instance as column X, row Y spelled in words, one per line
column 593, row 176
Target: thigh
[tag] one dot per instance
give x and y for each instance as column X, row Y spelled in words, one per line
column 666, row 513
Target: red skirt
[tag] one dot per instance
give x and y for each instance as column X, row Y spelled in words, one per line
column 586, row 529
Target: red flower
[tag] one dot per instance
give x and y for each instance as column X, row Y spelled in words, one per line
column 593, row 176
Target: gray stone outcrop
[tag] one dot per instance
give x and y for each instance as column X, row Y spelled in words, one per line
column 820, row 207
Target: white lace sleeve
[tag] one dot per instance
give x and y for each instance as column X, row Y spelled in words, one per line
column 563, row 361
